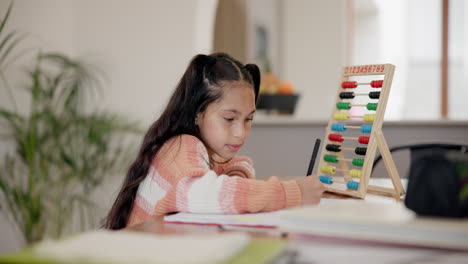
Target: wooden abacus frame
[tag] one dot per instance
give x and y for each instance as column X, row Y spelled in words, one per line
column 376, row 140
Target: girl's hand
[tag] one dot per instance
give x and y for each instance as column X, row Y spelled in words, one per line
column 311, row 189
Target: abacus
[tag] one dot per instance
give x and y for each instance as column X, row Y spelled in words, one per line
column 354, row 182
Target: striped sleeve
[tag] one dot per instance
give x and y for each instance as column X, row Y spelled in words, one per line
column 232, row 194
column 197, row 189
column 238, row 166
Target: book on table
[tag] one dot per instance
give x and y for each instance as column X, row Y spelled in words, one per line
column 372, row 221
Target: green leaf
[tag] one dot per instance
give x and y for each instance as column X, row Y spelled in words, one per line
column 9, row 49
column 4, row 42
column 14, row 119
column 5, row 19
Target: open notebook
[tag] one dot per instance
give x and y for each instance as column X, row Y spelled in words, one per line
column 373, row 221
column 269, row 219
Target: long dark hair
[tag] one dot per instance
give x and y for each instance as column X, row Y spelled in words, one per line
column 200, row 85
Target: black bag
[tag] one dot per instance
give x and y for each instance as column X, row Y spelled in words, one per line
column 437, row 179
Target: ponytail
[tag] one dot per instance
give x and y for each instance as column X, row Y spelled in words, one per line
column 255, row 74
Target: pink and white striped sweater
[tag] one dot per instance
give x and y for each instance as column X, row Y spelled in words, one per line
column 180, row 180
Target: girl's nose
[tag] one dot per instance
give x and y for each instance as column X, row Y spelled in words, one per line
column 239, row 131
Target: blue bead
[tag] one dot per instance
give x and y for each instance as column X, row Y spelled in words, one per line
column 352, row 185
column 366, row 128
column 338, row 127
column 326, row 179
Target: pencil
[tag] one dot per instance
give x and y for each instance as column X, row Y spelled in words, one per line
column 314, row 156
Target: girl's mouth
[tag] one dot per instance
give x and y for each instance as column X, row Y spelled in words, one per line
column 234, row 148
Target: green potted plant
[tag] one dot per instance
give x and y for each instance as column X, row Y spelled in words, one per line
column 63, row 151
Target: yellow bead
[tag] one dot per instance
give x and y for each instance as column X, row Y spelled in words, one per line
column 328, row 169
column 369, row 117
column 355, row 173
column 341, row 116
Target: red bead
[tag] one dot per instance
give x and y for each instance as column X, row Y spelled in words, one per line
column 376, row 84
column 348, row 85
column 336, row 137
column 363, row 140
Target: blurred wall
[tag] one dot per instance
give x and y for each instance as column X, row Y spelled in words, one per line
column 305, row 43
column 313, row 42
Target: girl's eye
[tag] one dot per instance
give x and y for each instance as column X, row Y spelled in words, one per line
column 229, row 119
column 249, row 119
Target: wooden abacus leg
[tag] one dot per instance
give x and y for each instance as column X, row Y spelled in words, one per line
column 389, row 164
column 382, row 191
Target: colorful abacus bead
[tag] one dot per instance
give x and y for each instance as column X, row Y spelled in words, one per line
column 341, row 116
column 346, row 116
column 329, row 180
column 343, row 105
column 363, row 140
column 338, row 127
column 352, row 185
column 354, row 84
column 360, row 151
column 376, row 83
column 337, row 148
column 369, row 117
column 371, row 106
column 340, row 138
column 347, row 95
column 344, row 127
column 326, row 179
column 358, row 162
column 355, row 173
column 348, row 85
column 351, row 95
column 347, row 106
column 328, row 169
column 332, row 170
column 374, row 95
column 366, row 128
column 333, row 148
column 336, row 137
column 330, row 158
column 335, row 159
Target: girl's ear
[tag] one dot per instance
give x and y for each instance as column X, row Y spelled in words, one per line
column 198, row 117
column 255, row 73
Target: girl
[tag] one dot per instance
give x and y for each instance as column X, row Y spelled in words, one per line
column 188, row 162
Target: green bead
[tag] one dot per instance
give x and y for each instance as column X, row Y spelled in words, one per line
column 330, row 158
column 371, row 106
column 358, row 162
column 343, row 105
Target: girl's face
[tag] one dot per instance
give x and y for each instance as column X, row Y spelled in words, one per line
column 225, row 124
